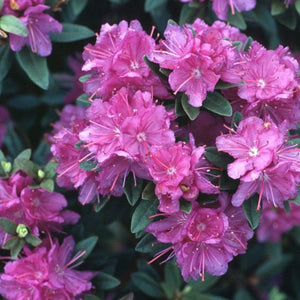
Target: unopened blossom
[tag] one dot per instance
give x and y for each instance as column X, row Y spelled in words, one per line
column 204, row 240
column 39, row 25
column 275, row 221
column 45, row 273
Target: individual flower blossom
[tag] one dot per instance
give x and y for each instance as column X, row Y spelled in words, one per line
column 268, row 75
column 198, row 55
column 204, row 240
column 253, row 146
column 16, row 7
column 4, row 118
column 45, row 273
column 275, row 221
column 39, row 25
column 116, row 61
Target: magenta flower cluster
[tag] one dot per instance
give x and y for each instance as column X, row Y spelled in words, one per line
column 131, row 127
column 38, row 23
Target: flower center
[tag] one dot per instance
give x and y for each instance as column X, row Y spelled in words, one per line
column 197, row 73
column 261, row 83
column 171, row 171
column 134, row 65
column 201, row 226
column 253, row 151
column 141, row 137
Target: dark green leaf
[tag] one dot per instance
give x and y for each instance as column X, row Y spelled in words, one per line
column 11, row 243
column 71, row 33
column 248, row 43
column 286, row 206
column 190, row 14
column 218, row 158
column 216, row 103
column 25, row 154
column 145, row 209
column 5, row 60
column 27, row 166
column 34, row 66
column 106, row 281
column 148, row 244
column 86, row 245
column 221, row 85
column 8, row 226
column 152, row 5
column 297, row 199
column 50, row 169
column 200, row 286
column 185, row 206
column 250, row 210
column 172, row 277
column 41, row 153
column 179, row 111
column 12, row 141
column 32, row 240
column 236, row 119
column 226, row 183
column 288, row 19
column 14, row 252
column 84, row 78
column 129, row 296
column 12, row 24
column 133, row 190
column 242, row 294
column 191, row 111
column 277, row 7
column 78, row 6
column 88, row 165
column 154, row 68
column 297, row 5
column 236, row 20
column 149, row 191
column 147, row 285
column 238, row 45
column 24, row 102
column 274, row 266
column 83, row 100
column 48, row 185
column 91, row 297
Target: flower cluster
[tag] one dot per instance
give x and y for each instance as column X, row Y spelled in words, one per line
column 130, row 127
column 45, row 273
column 38, row 24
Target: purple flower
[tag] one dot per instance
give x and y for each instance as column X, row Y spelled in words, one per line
column 39, row 26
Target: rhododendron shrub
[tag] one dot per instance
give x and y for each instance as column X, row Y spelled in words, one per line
column 155, row 160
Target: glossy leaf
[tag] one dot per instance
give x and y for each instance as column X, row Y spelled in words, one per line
column 72, row 33
column 250, row 210
column 216, row 103
column 12, row 24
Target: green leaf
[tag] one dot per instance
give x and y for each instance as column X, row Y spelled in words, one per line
column 50, row 169
column 286, row 206
column 185, row 206
column 27, row 166
column 91, row 297
column 84, row 78
column 275, row 294
column 154, row 68
column 133, row 191
column 11, row 243
column 248, row 43
column 25, row 154
column 236, row 119
column 297, row 199
column 179, row 111
column 12, row 141
column 221, row 85
column 83, row 100
column 274, row 266
column 148, row 244
column 152, row 5
column 86, row 245
column 88, row 165
column 32, row 240
column 12, row 24
column 236, row 20
column 191, row 111
column 172, row 277
column 228, row 184
column 218, row 158
column 140, row 216
column 242, row 293
column 147, row 285
column 78, row 6
column 129, row 296
column 23, row 102
column 297, row 5
column 5, row 60
column 216, row 103
column 288, row 19
column 47, row 185
column 34, row 66
column 189, row 14
column 72, row 33
column 250, row 210
column 8, row 226
column 149, row 191
column 200, row 286
column 106, row 282
column 277, row 7
column 14, row 252
column 238, row 45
